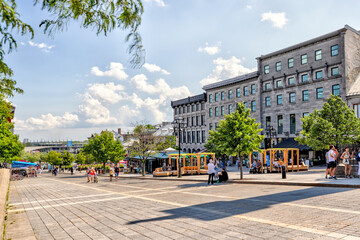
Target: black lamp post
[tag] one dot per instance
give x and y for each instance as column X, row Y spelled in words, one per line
column 270, row 132
column 178, row 124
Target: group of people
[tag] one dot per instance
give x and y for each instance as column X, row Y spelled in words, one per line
column 332, row 157
column 214, row 174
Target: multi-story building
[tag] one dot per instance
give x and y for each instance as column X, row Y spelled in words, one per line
column 292, row 82
column 192, row 111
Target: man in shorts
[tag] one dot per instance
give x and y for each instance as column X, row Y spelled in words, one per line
column 332, row 162
column 117, row 171
column 327, row 164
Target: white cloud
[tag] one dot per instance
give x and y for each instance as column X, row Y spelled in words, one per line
column 160, row 3
column 155, row 68
column 107, row 92
column 224, row 69
column 116, row 70
column 47, row 121
column 249, row 7
column 22, row 43
column 95, row 113
column 211, row 50
column 278, row 19
column 43, row 46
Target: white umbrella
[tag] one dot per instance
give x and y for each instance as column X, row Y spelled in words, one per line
column 170, row 149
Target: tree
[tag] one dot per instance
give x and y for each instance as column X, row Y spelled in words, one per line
column 31, row 157
column 54, row 158
column 80, row 158
column 10, row 146
column 167, row 142
column 334, row 124
column 145, row 143
column 67, row 158
column 104, row 148
column 237, row 134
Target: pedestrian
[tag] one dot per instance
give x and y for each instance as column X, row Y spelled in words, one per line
column 71, row 170
column 346, row 161
column 223, row 176
column 327, row 172
column 92, row 174
column 216, row 168
column 117, row 172
column 357, row 158
column 211, row 171
column 111, row 173
column 332, row 161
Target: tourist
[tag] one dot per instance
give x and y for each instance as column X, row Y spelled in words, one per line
column 253, row 167
column 327, row 172
column 216, row 170
column 211, row 171
column 332, row 162
column 223, row 176
column 71, row 170
column 164, row 167
column 258, row 166
column 346, row 161
column 169, row 167
column 357, row 158
column 111, row 171
column 92, row 174
column 117, row 172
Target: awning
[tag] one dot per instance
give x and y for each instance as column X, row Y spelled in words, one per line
column 19, row 164
column 291, row 143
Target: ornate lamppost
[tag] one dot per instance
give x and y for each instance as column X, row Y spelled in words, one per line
column 178, row 125
column 270, row 132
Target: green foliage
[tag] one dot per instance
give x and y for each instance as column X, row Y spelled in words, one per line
column 67, row 158
column 10, row 146
column 167, row 142
column 54, row 158
column 31, row 157
column 237, row 134
column 334, row 124
column 104, row 148
column 80, row 158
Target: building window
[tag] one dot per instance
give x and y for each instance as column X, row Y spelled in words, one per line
column 230, row 94
column 292, row 97
column 266, row 69
column 291, row 80
column 292, row 124
column 193, row 136
column 303, row 59
column 188, row 123
column 267, row 86
column 280, row 124
column 319, row 93
column 318, row 55
column 210, row 126
column 216, row 126
column 305, row 114
column 222, row 96
column 198, row 136
column 202, row 120
column 279, row 99
column 305, row 95
column 216, row 97
column 357, row 110
column 184, row 109
column 334, row 50
column 230, row 109
column 216, row 111
column 198, row 121
column 193, row 121
column 222, row 110
column 179, row 110
column 202, row 106
column 193, row 108
column 336, row 90
column 202, row 136
column 304, row 78
column 210, row 98
column 245, row 91
column 198, row 107
column 246, row 105
column 210, row 112
column 184, row 137
column 253, row 106
column 278, row 66
column 267, row 121
column 318, row 74
column 189, row 137
column 290, row 62
column 176, row 111
column 267, row 101
column 253, row 89
column 180, row 137
column 278, row 83
column 188, row 108
column 238, row 92
column 334, row 71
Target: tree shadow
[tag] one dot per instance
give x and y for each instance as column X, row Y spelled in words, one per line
column 222, row 209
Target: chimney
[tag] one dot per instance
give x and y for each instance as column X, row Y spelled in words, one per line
column 119, row 131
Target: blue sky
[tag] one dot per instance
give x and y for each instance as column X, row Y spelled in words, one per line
column 77, row 83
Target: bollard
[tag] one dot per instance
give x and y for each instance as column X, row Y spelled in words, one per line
column 283, row 172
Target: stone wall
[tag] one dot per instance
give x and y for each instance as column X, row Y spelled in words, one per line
column 4, row 185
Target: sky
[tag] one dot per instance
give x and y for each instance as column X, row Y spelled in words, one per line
column 77, row 82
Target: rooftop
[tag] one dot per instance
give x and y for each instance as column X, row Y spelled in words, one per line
column 188, row 100
column 231, row 80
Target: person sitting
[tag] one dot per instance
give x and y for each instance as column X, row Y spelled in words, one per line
column 277, row 165
column 164, row 167
column 169, row 167
column 223, row 175
column 253, row 167
column 258, row 166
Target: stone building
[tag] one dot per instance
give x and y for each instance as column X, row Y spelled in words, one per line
column 192, row 111
column 292, row 82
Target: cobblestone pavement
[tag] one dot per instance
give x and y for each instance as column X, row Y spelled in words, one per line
column 67, row 207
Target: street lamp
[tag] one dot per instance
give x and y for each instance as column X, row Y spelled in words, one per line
column 178, row 124
column 270, row 132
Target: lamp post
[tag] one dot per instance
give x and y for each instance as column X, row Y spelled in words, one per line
column 270, row 132
column 178, row 124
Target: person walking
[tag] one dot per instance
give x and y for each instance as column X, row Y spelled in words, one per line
column 346, row 161
column 117, row 172
column 72, row 170
column 211, row 172
column 332, row 162
column 111, row 173
column 92, row 174
column 327, row 172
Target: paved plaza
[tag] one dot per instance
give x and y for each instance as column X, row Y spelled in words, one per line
column 67, row 207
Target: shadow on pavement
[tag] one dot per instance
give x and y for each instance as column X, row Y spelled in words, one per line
column 221, row 209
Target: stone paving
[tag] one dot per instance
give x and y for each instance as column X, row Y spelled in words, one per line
column 67, row 207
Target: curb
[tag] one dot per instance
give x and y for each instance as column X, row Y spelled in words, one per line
column 254, row 182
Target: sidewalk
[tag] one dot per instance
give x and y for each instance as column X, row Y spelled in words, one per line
column 314, row 177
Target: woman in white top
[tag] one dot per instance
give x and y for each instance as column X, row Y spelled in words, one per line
column 211, row 171
column 346, row 161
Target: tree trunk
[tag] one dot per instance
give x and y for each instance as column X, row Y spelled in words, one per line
column 104, row 170
column 241, row 169
column 143, row 168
